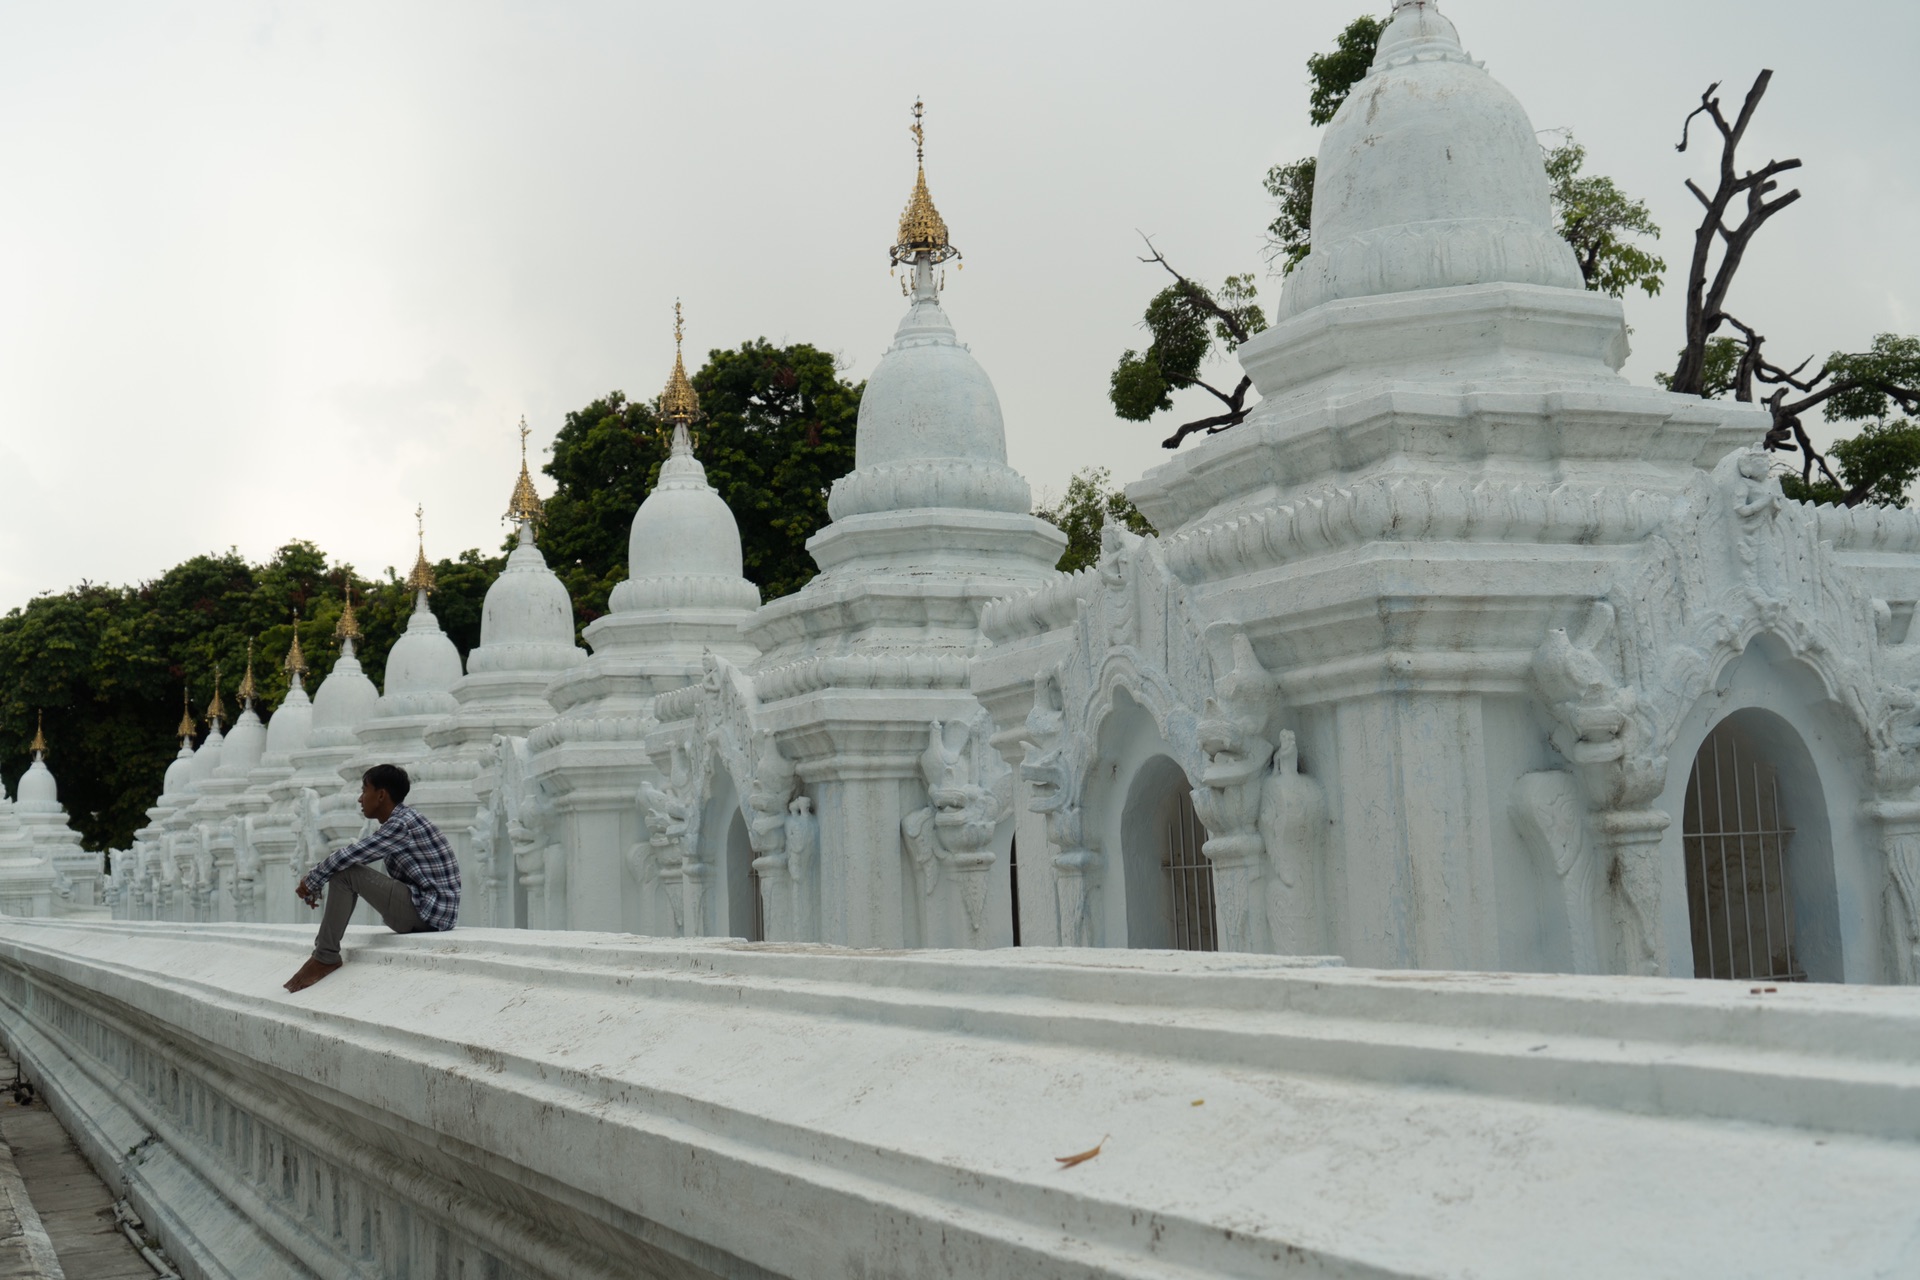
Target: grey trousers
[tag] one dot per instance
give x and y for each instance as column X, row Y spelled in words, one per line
column 393, row 900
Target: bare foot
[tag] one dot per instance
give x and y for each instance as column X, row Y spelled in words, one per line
column 310, row 972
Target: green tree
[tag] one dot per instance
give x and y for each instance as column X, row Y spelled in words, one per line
column 107, row 665
column 1190, row 324
column 1090, row 502
column 1290, row 234
column 778, row 430
column 1593, row 215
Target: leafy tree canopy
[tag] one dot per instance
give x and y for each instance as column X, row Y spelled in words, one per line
column 1593, row 215
column 1334, row 74
column 107, row 665
column 1090, row 502
column 1186, row 320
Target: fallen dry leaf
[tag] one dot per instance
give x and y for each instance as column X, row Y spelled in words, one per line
column 1199, row 1102
column 1067, row 1162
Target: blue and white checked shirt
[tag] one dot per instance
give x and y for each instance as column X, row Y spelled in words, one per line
column 416, row 855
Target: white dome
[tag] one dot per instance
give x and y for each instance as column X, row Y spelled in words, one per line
column 422, row 667
column 208, row 757
column 345, row 700
column 526, row 623
column 1430, row 176
column 930, row 431
column 928, row 398
column 179, row 773
column 292, row 724
column 684, row 527
column 685, row 546
column 37, row 792
column 244, row 745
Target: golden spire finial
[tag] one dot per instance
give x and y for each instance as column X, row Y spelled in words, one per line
column 296, row 663
column 186, row 715
column 246, row 692
column 923, row 232
column 524, row 507
column 348, row 628
column 39, row 744
column 678, row 404
column 421, row 578
column 216, row 710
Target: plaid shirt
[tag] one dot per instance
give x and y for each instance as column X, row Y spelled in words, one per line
column 416, row 855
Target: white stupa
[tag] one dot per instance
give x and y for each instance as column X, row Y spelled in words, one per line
column 43, row 819
column 422, row 668
column 526, row 639
column 858, row 666
column 685, row 595
column 316, row 805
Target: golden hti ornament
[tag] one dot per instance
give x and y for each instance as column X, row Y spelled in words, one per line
column 524, row 507
column 421, row 577
column 923, row 232
column 348, row 628
column 39, row 744
column 296, row 664
column 679, row 406
column 246, row 692
column 186, row 715
column 216, row 710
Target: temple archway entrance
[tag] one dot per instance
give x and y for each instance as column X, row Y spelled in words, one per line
column 745, row 917
column 1754, row 835
column 1170, row 902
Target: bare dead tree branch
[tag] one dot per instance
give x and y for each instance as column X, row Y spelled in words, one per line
column 1788, row 432
column 1235, row 415
column 1706, row 297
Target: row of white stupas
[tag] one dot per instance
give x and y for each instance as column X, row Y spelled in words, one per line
column 1462, row 652
column 43, row 869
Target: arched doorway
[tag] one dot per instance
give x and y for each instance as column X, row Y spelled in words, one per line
column 745, row 916
column 1753, row 833
column 1169, row 882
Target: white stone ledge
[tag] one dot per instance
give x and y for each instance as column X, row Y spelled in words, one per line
column 709, row 1107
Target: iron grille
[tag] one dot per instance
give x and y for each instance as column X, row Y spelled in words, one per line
column 1189, row 880
column 1736, row 852
column 757, row 931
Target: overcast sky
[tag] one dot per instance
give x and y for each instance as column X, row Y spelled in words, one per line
column 278, row 271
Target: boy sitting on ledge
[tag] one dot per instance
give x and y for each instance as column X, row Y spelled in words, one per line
column 420, row 892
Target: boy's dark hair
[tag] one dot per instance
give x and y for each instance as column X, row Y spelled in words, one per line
column 390, row 778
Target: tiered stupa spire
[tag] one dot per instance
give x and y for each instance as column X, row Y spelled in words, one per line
column 247, row 691
column 923, row 232
column 524, row 507
column 421, row 576
column 296, row 664
column 39, row 744
column 217, row 709
column 923, row 242
column 347, row 630
column 186, row 729
column 679, row 405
